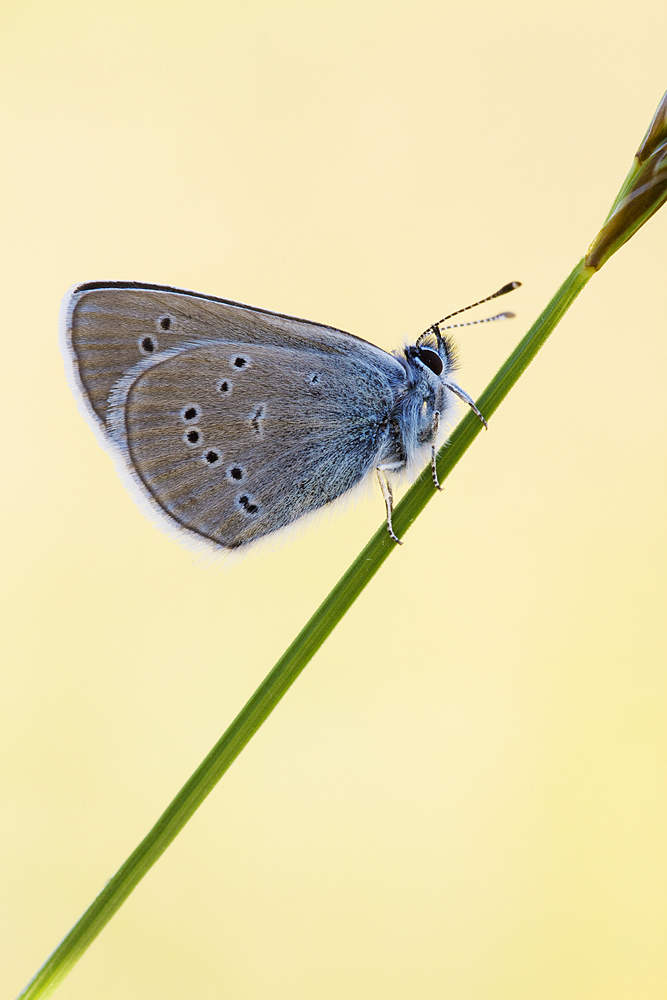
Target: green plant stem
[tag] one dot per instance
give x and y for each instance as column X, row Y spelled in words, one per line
column 306, row 644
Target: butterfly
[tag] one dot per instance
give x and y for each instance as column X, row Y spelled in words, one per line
column 235, row 421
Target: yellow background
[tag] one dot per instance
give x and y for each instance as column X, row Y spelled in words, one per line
column 464, row 795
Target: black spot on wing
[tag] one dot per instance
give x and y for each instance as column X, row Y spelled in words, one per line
column 148, row 345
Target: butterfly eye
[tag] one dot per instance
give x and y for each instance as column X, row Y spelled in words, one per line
column 431, row 359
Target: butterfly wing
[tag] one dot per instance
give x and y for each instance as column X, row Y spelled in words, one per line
column 111, row 326
column 235, row 440
column 234, row 420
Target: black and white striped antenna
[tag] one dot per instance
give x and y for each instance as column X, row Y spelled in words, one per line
column 435, row 329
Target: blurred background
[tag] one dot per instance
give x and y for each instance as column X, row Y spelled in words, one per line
column 464, row 794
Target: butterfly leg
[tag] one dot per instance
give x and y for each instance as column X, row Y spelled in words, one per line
column 434, row 471
column 389, row 502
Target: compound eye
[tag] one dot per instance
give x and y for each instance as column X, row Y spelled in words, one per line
column 431, row 359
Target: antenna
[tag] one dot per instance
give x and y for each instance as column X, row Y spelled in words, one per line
column 434, row 329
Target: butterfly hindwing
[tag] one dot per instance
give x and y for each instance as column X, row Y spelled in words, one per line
column 234, row 440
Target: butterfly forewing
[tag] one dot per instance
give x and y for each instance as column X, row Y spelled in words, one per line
column 111, row 327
